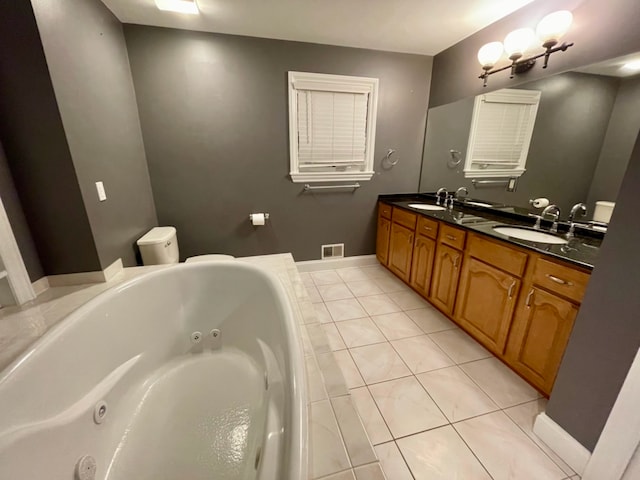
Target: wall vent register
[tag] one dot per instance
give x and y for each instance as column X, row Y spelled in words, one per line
column 332, row 124
column 501, row 131
column 335, row 250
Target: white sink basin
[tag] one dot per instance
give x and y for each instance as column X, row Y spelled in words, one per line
column 425, row 206
column 530, row 235
column 478, row 204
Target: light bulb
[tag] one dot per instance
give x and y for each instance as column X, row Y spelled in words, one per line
column 633, row 66
column 517, row 42
column 489, row 54
column 553, row 27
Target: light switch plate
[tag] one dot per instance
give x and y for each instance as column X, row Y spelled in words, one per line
column 102, row 195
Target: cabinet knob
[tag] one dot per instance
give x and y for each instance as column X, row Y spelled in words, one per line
column 559, row 280
column 527, row 303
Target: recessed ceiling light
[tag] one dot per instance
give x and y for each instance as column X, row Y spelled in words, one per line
column 632, row 66
column 180, row 6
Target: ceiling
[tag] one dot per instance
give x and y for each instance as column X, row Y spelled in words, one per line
column 613, row 67
column 412, row 26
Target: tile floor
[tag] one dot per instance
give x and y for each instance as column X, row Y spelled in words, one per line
column 435, row 404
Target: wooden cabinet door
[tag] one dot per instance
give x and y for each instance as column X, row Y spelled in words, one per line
column 540, row 333
column 486, row 301
column 382, row 240
column 424, row 250
column 444, row 282
column 400, row 251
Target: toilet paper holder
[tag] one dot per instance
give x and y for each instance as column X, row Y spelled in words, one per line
column 266, row 216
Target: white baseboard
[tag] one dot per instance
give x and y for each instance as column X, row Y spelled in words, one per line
column 564, row 445
column 331, row 263
column 41, row 285
column 82, row 278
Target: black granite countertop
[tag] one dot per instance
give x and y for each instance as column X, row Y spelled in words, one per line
column 582, row 250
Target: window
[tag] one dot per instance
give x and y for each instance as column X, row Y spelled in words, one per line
column 501, row 132
column 332, row 125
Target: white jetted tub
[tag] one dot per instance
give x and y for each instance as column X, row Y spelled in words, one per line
column 124, row 389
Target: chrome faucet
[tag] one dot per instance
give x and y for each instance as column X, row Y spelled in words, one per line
column 552, row 210
column 577, row 208
column 460, row 191
column 441, row 191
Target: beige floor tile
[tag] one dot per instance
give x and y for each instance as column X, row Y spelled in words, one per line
column 393, row 464
column 359, row 332
column 325, row 277
column 505, row 451
column 441, row 454
column 499, row 382
column 369, row 472
column 345, row 309
column 322, row 313
column 346, row 475
column 390, row 284
column 421, row 354
column 406, row 407
column 376, row 271
column 349, row 370
column 460, row 346
column 408, row 300
column 524, row 415
column 329, row 454
column 379, row 304
column 335, row 291
column 370, row 415
column 306, row 279
column 363, row 288
column 315, row 383
column 396, row 325
column 430, row 320
column 456, row 394
column 352, row 274
column 314, row 295
column 379, row 362
column 334, row 337
column 335, row 380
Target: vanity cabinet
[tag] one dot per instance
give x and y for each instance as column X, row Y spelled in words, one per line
column 383, row 233
column 519, row 304
column 424, row 250
column 488, row 291
column 403, row 225
column 543, row 321
column 446, row 269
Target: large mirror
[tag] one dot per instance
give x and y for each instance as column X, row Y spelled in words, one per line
column 585, row 129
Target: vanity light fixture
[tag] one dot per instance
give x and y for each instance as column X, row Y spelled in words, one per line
column 632, row 66
column 549, row 32
column 180, row 6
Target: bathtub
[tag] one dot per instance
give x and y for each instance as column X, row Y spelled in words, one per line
column 187, row 373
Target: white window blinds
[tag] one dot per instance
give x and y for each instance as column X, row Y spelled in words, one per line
column 332, row 124
column 501, row 133
column 332, row 128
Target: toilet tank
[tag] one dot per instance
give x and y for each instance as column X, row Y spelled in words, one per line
column 159, row 246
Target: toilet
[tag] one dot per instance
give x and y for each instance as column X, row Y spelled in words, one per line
column 159, row 246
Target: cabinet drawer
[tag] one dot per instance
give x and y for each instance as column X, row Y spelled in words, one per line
column 405, row 218
column 384, row 210
column 562, row 280
column 452, row 236
column 427, row 227
column 498, row 255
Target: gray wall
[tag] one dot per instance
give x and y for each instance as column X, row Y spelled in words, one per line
column 214, row 119
column 570, row 128
column 36, row 148
column 600, row 30
column 606, row 335
column 618, row 143
column 87, row 58
column 18, row 222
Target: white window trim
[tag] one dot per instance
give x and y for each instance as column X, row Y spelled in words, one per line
column 331, row 83
column 507, row 96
